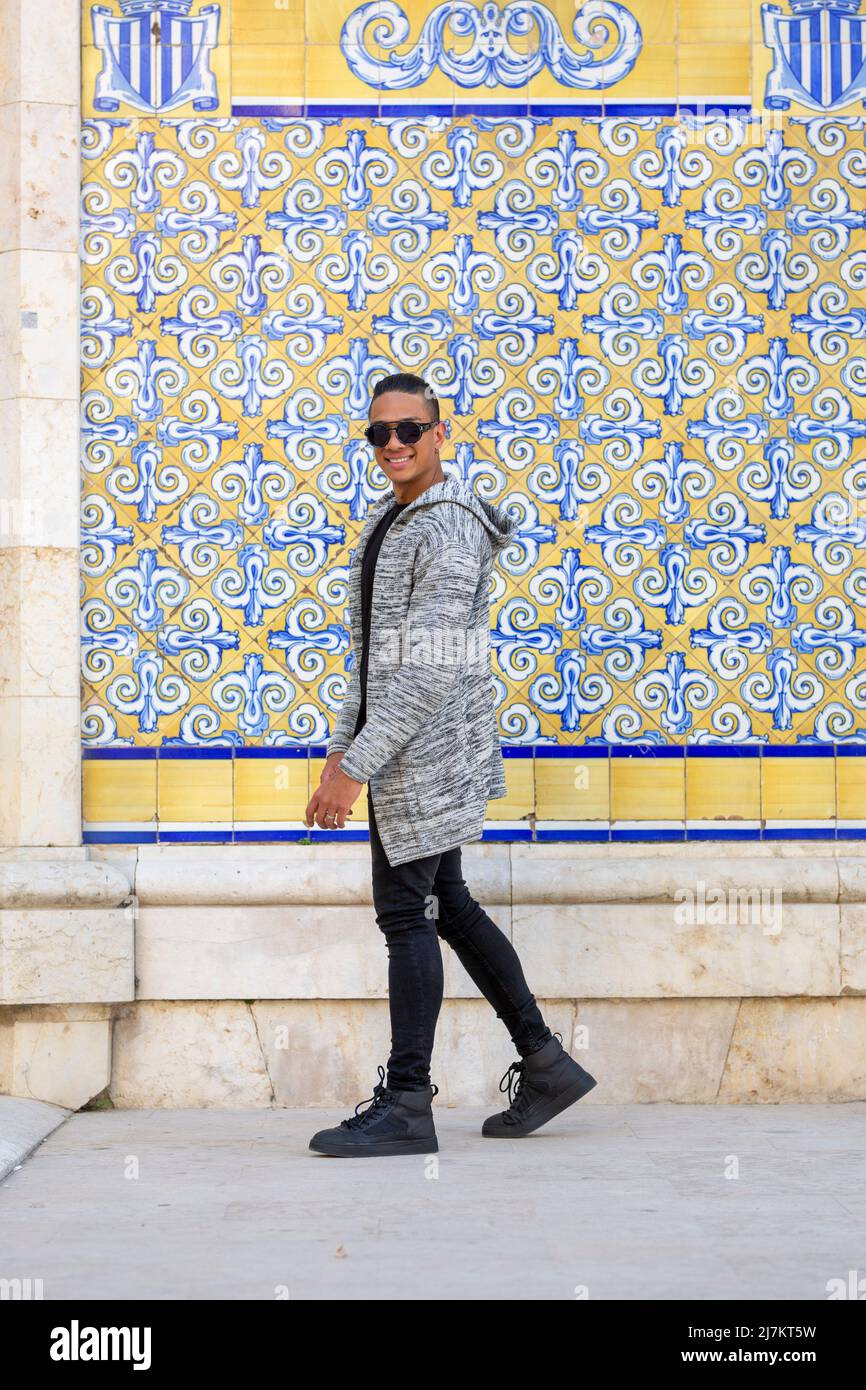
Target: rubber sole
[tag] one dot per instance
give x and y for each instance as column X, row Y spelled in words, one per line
column 550, row 1111
column 393, row 1148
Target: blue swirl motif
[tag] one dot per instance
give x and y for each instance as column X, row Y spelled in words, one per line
column 675, row 692
column 570, row 691
column 782, row 691
column 624, row 643
column 102, row 640
column 517, row 640
column 729, row 637
column 565, row 290
column 199, row 639
column 150, row 692
column 623, row 534
column 491, row 60
column 253, row 694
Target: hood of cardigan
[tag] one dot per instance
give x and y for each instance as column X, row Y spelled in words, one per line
column 498, row 523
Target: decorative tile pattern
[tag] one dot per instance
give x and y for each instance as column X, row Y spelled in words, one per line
column 645, row 331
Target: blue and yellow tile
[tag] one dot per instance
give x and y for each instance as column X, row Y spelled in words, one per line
column 118, row 789
column 195, row 788
column 572, row 785
column 647, row 784
column 723, row 788
column 270, row 785
column 286, row 54
column 798, row 788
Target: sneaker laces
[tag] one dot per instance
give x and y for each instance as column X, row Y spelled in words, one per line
column 515, row 1078
column 381, row 1100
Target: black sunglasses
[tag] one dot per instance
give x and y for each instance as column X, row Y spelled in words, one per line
column 408, row 432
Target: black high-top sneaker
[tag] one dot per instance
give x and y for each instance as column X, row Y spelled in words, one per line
column 397, row 1122
column 545, row 1082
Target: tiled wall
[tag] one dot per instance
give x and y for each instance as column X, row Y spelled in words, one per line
column 636, row 287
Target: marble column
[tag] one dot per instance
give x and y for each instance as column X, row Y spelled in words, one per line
column 55, row 907
column 39, row 387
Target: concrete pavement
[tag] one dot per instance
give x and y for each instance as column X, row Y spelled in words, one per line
column 622, row 1202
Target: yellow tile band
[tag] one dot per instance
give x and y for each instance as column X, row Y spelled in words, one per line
column 723, row 789
column 119, row 790
column 572, row 789
column 851, row 788
column 648, row 789
column 196, row 790
column 798, row 788
column 550, row 789
column 270, row 789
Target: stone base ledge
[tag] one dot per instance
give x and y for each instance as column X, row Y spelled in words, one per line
column 339, row 875
column 58, row 1055
column 695, row 973
column 247, row 1054
column 297, row 922
column 326, row 1052
column 66, row 932
column 588, row 950
column 38, row 884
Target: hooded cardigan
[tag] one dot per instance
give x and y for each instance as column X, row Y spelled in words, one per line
column 429, row 749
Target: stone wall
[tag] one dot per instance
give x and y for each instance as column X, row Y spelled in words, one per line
column 261, row 977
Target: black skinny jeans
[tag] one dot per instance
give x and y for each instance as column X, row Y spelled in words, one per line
column 416, row 903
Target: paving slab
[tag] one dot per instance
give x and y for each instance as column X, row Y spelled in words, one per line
column 23, row 1126
column 615, row 1202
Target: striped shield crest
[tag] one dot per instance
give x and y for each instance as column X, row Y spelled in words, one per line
column 155, row 58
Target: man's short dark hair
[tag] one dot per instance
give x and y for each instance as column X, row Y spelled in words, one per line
column 412, row 385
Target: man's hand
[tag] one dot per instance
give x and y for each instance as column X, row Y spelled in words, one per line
column 332, row 802
column 332, row 762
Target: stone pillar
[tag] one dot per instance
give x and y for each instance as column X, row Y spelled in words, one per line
column 40, row 758
column 54, row 910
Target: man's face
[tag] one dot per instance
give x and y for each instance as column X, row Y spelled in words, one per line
column 402, row 462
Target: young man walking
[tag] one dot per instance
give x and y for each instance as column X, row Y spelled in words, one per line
column 418, row 726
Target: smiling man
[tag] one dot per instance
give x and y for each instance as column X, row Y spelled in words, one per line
column 418, row 726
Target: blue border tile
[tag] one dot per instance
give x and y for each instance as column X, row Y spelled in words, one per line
column 196, row 837
column 589, row 837
column 583, row 751
column 799, row 750
column 269, row 836
column 711, row 833
column 715, row 750
column 810, row 833
column 89, row 755
column 275, row 753
column 462, row 110
column 493, row 834
column 647, row 750
column 624, row 109
column 509, row 750
column 119, row 837
column 506, row 835
column 650, row 834
column 200, row 755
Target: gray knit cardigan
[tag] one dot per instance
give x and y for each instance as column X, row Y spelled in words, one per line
column 430, row 747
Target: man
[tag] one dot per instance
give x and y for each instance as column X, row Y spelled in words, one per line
column 418, row 726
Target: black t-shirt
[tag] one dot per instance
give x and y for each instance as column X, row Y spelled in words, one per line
column 368, row 569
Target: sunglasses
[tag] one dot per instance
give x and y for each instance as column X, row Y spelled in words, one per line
column 408, row 432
